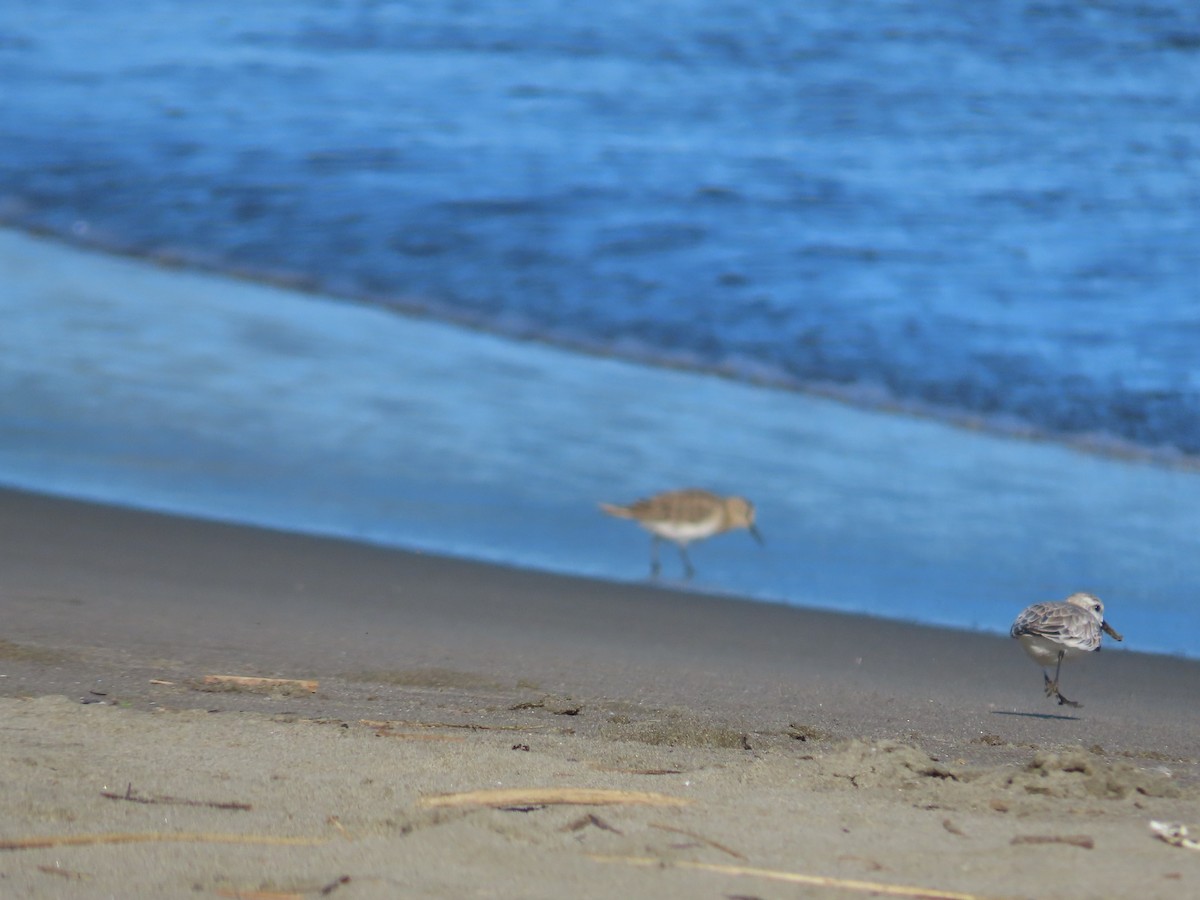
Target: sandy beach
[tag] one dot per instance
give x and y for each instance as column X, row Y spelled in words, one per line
column 637, row 741
column 328, row 331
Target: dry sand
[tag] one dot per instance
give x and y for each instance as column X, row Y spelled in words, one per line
column 745, row 744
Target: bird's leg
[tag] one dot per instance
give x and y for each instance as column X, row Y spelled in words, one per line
column 654, row 564
column 688, row 571
column 1052, row 686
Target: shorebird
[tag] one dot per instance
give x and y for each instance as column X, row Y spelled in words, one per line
column 1058, row 630
column 685, row 516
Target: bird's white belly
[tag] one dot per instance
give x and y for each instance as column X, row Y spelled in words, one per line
column 683, row 532
column 1045, row 651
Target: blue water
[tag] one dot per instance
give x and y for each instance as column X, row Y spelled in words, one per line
column 984, row 214
column 987, row 211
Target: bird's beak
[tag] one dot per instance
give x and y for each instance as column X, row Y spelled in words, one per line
column 1108, row 629
column 757, row 535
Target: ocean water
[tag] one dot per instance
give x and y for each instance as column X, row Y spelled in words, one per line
column 974, row 227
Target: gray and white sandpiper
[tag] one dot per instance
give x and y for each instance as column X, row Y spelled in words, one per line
column 1061, row 629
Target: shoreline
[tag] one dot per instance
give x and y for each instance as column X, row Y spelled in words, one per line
column 102, row 586
column 238, row 402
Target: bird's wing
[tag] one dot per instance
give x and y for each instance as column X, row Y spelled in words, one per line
column 1058, row 622
column 689, row 505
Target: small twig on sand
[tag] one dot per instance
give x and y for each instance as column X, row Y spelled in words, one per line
column 600, row 768
column 847, row 884
column 172, row 801
column 697, row 837
column 590, row 819
column 505, row 797
column 248, row 681
column 62, row 873
column 297, row 894
column 73, row 840
column 334, row 885
column 337, row 823
column 469, row 726
column 952, row 828
column 415, row 736
column 1075, row 840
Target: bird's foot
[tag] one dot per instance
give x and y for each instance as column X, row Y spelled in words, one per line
column 1052, row 691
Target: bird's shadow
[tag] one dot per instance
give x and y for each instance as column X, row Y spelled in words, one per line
column 1033, row 715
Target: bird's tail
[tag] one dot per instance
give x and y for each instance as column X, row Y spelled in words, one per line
column 621, row 512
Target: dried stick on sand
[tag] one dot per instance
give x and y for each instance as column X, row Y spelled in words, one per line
column 1075, row 840
column 504, row 797
column 71, row 840
column 698, row 837
column 250, row 681
column 176, row 801
column 846, row 884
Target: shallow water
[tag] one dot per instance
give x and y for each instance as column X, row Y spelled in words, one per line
column 197, row 394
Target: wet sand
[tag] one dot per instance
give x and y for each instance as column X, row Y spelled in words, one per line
column 775, row 742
